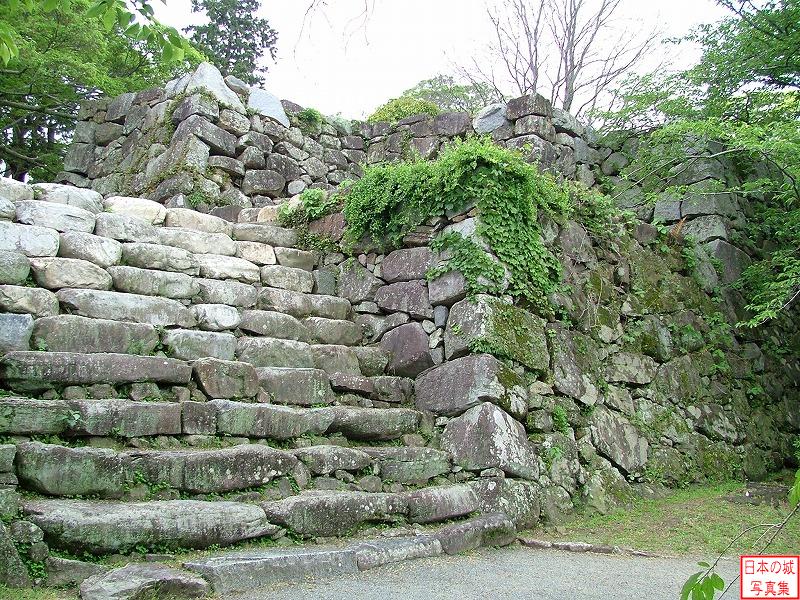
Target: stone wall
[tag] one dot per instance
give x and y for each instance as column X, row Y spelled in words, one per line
column 204, row 320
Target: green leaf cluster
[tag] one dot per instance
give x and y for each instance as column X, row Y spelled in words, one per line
column 390, row 200
column 702, row 585
column 402, row 107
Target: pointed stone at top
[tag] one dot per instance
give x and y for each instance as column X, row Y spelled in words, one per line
column 207, row 77
column 267, row 105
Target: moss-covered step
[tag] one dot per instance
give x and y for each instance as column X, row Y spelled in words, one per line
column 101, row 527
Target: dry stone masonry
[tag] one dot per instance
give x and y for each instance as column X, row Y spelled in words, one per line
column 179, row 373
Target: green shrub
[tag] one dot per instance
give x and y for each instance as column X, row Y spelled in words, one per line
column 310, row 119
column 402, row 107
column 391, row 200
column 314, row 204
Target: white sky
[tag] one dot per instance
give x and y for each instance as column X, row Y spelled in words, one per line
column 336, row 64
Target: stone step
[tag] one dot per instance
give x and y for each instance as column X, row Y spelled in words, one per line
column 245, row 571
column 278, row 422
column 313, row 513
column 27, row 370
column 129, row 418
column 103, row 527
column 304, row 305
column 299, row 387
column 119, row 306
column 143, row 581
column 105, row 473
column 119, row 418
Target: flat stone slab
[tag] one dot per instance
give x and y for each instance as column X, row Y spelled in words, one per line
column 373, row 424
column 324, row 460
column 247, row 571
column 270, row 420
column 333, row 513
column 300, row 387
column 386, row 551
column 409, row 464
column 112, row 527
column 119, row 306
column 40, row 370
column 138, row 580
column 433, row 504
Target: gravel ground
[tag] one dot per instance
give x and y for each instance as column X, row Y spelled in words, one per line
column 507, row 574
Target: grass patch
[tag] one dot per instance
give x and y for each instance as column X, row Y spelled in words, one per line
column 696, row 521
column 37, row 594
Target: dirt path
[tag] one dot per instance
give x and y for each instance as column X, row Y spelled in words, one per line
column 507, row 574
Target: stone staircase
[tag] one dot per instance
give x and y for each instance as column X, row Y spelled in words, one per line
column 172, row 381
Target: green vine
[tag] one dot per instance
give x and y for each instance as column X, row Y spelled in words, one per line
column 483, row 274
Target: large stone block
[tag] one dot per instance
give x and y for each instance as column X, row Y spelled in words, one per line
column 271, row 352
column 219, row 140
column 407, row 296
column 153, row 283
column 39, row 370
column 67, row 194
column 22, row 416
column 14, row 190
column 270, row 420
column 705, row 229
column 408, row 348
column 232, row 293
column 34, row 301
column 141, row 208
column 160, row 258
column 274, row 324
column 15, row 332
column 226, row 379
column 490, row 118
column 373, row 424
column 409, row 465
column 197, row 242
column 101, row 251
column 125, row 228
column 216, row 266
column 631, row 368
column 486, row 437
column 13, row 572
column 14, row 267
column 333, row 331
column 324, row 460
column 61, row 217
column 29, row 240
column 734, row 261
column 300, row 387
column 214, row 471
column 267, row 105
column 266, row 234
column 447, row 289
column 63, row 471
column 456, row 386
column 137, row 581
column 216, row 317
column 332, row 514
column 435, row 504
column 534, row 104
column 123, row 418
column 292, row 257
column 356, row 283
column 55, row 273
column 187, row 344
column 287, row 278
column 73, row 333
column 187, row 218
column 516, row 498
column 508, row 330
column 264, row 182
column 119, row 306
column 105, row 528
column 303, row 305
column 618, row 440
column 333, row 358
column 407, row 264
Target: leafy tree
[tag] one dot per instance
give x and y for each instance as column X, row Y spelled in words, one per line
column 64, row 58
column 137, row 24
column 402, row 107
column 234, row 39
column 449, row 95
column 745, row 94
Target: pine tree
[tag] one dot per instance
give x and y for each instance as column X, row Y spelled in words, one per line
column 234, row 39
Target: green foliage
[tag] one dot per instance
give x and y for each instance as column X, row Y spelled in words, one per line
column 110, row 15
column 483, row 274
column 560, row 420
column 391, row 200
column 314, row 204
column 702, row 585
column 402, row 107
column 65, row 58
column 448, row 95
column 310, row 120
column 234, row 39
column 740, row 103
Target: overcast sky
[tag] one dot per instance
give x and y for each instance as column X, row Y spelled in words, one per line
column 337, row 63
